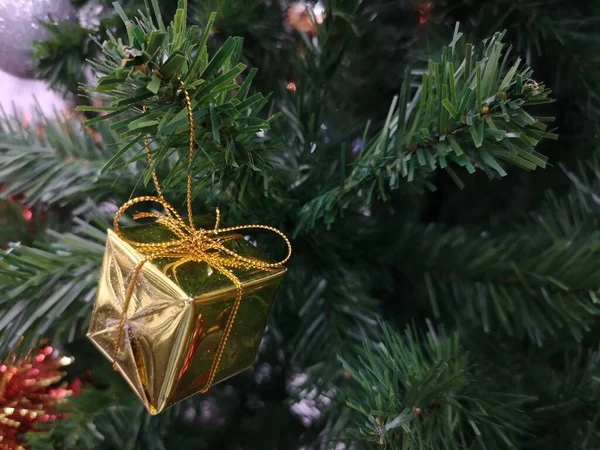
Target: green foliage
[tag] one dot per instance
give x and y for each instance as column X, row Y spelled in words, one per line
column 523, row 282
column 536, row 276
column 100, row 419
column 58, row 161
column 469, row 111
column 153, row 69
column 59, row 58
column 579, row 210
column 423, row 392
column 567, row 412
column 257, row 21
column 557, row 26
column 48, row 290
column 350, row 314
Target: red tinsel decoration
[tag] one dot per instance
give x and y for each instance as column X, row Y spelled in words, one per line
column 29, row 393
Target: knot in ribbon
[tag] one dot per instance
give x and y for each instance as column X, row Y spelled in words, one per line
column 191, row 244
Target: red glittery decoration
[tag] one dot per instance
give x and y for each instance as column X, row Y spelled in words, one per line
column 29, row 393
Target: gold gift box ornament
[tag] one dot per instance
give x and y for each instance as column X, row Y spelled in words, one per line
column 181, row 305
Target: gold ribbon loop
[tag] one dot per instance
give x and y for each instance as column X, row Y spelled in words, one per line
column 191, row 245
column 198, row 245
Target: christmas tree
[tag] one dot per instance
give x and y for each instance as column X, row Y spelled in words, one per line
column 433, row 163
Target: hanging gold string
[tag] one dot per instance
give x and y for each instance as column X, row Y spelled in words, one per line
column 190, row 245
column 150, row 162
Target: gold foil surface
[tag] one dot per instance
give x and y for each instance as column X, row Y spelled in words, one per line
column 173, row 327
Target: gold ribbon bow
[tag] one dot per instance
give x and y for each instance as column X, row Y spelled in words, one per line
column 190, row 244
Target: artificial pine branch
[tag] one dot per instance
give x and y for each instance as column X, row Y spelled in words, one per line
column 335, row 311
column 469, row 111
column 61, row 60
column 47, row 290
column 537, row 276
column 566, row 414
column 58, row 161
column 415, row 391
column 152, row 71
column 532, row 283
column 105, row 419
column 565, row 34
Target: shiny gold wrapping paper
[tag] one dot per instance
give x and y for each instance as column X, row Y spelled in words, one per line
column 173, row 329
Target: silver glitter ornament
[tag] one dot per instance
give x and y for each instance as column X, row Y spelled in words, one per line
column 20, row 28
